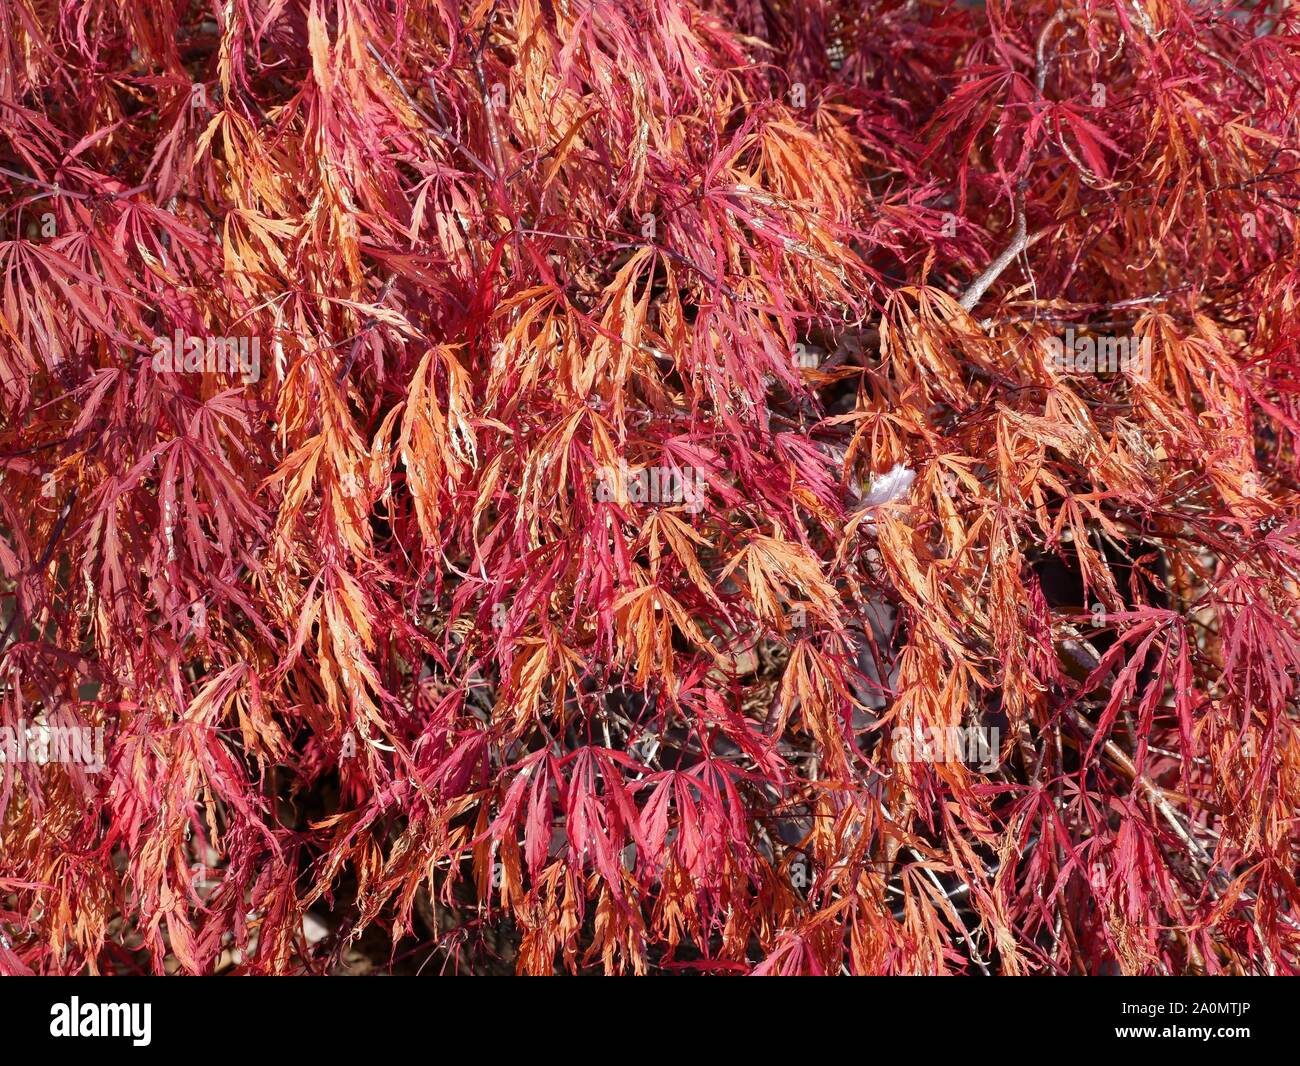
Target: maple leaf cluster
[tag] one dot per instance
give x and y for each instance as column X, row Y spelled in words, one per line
column 790, row 486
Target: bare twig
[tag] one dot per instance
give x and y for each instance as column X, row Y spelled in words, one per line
column 1020, row 239
column 441, row 131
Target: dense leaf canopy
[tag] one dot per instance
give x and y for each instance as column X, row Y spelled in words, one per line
column 544, row 481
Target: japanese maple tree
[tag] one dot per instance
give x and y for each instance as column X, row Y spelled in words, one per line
column 543, row 484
